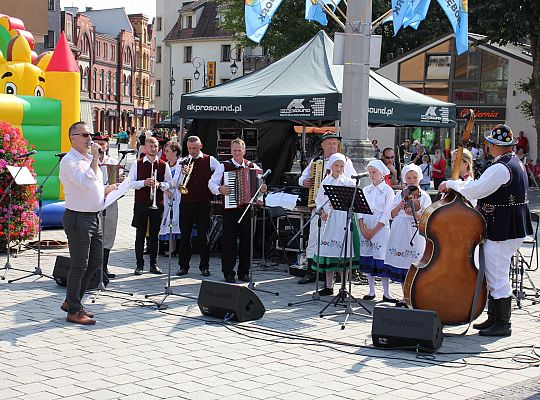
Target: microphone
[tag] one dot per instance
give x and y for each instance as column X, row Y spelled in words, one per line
column 60, row 155
column 265, row 175
column 100, row 150
column 26, row 154
column 130, row 151
column 362, row 175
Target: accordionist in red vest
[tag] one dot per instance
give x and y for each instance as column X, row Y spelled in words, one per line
column 236, row 181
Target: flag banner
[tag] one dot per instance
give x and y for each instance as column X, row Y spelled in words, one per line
column 258, row 15
column 400, row 9
column 314, row 11
column 457, row 12
column 417, row 13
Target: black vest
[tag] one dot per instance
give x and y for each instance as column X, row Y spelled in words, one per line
column 507, row 209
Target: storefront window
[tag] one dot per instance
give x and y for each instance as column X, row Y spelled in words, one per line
column 494, row 68
column 468, row 66
column 465, row 92
column 493, row 92
column 412, row 69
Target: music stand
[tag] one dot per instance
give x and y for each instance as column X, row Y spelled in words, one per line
column 350, row 199
column 38, row 271
column 25, row 178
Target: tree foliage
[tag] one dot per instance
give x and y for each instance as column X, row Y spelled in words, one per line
column 515, row 22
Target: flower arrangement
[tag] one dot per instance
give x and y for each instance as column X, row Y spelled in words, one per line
column 24, row 221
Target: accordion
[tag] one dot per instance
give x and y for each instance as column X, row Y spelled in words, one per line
column 244, row 183
column 317, row 174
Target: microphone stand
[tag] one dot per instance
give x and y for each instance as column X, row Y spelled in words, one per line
column 9, row 193
column 315, row 295
column 168, row 290
column 251, row 209
column 37, row 270
column 101, row 286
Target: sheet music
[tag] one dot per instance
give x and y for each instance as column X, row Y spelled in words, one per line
column 116, row 194
column 285, row 200
column 24, row 177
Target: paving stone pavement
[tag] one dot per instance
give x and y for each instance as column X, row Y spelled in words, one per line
column 137, row 352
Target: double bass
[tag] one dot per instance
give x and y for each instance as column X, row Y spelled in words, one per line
column 444, row 280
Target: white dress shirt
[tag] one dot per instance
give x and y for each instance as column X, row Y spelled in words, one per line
column 215, row 181
column 214, row 165
column 83, row 188
column 491, row 180
column 348, row 172
column 135, row 184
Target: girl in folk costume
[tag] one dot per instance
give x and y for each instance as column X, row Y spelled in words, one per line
column 375, row 229
column 334, row 223
column 172, row 152
column 405, row 245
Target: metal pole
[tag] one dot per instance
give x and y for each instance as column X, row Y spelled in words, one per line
column 355, row 98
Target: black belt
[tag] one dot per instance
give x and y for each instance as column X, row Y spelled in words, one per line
column 84, row 212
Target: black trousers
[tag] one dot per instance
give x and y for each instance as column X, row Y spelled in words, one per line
column 142, row 216
column 85, row 242
column 229, row 248
column 199, row 214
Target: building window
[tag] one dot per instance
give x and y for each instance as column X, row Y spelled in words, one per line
column 226, row 52
column 113, row 52
column 158, row 54
column 187, row 54
column 412, row 69
column 189, row 22
column 158, row 87
column 94, row 81
column 105, row 50
column 438, row 67
column 51, row 5
column 468, row 65
column 158, row 23
column 115, row 84
column 109, row 82
column 101, row 79
column 188, row 86
column 50, row 39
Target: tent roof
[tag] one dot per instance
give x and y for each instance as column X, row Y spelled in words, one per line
column 306, row 85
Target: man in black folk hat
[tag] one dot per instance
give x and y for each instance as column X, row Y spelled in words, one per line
column 502, row 199
column 330, row 144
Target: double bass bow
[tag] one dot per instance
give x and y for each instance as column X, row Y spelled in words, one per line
column 444, row 280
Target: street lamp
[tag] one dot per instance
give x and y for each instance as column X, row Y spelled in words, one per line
column 199, row 62
column 239, row 54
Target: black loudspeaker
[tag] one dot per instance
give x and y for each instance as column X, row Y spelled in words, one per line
column 402, row 327
column 218, row 299
column 61, row 269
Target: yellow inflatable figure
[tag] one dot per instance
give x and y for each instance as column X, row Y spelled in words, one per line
column 38, row 95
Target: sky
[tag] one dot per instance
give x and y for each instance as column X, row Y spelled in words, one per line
column 147, row 7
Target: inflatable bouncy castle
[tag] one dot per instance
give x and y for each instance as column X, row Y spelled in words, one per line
column 39, row 95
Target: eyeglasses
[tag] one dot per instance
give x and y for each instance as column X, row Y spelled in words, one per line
column 85, row 135
column 390, row 158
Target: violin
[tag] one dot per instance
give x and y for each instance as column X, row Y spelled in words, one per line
column 411, row 196
column 444, row 280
